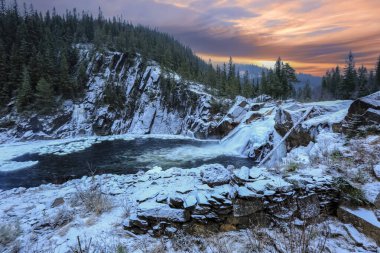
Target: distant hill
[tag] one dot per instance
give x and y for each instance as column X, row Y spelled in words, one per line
column 255, row 72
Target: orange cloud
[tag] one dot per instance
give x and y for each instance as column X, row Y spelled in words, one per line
column 312, row 34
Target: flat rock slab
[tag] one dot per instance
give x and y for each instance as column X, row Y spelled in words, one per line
column 363, row 219
column 215, row 175
column 242, row 174
column 161, row 212
column 190, row 202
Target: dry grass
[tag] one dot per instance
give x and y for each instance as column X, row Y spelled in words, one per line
column 62, row 217
column 93, row 199
column 9, row 232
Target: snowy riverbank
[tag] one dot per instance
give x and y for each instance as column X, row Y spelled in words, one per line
column 52, row 217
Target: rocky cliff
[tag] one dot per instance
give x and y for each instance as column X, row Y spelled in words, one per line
column 140, row 104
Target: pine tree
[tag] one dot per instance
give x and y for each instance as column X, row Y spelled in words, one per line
column 247, row 87
column 349, row 78
column 25, row 93
column 371, row 82
column 3, row 76
column 362, row 82
column 44, row 96
column 306, row 92
column 263, row 89
column 82, row 77
column 377, row 78
column 65, row 84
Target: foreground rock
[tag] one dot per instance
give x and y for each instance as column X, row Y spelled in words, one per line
column 222, row 199
column 133, row 209
column 363, row 219
column 363, row 116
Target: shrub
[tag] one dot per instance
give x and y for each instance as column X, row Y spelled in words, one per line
column 292, row 166
column 63, row 217
column 92, row 199
column 336, row 155
column 9, row 232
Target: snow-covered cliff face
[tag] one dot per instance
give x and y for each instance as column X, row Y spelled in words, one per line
column 144, row 109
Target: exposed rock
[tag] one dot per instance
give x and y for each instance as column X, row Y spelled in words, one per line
column 244, row 193
column 202, row 199
column 363, row 115
column 190, row 202
column 376, row 170
column 161, row 198
column 201, row 209
column 144, row 111
column 215, row 174
column 241, row 175
column 259, row 186
column 255, row 172
column 135, row 221
column 308, row 206
column 299, row 136
column 359, row 239
column 176, row 201
column 161, row 212
column 58, row 202
column 246, row 207
column 377, row 201
column 145, row 195
column 254, row 116
column 363, row 219
column 227, row 227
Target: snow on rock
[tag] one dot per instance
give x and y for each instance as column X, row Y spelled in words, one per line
column 363, row 219
column 158, row 203
column 215, row 175
column 145, row 110
column 376, row 170
column 12, row 165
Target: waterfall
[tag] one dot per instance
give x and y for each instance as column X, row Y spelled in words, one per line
column 247, row 137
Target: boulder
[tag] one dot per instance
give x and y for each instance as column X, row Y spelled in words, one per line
column 308, row 206
column 244, row 193
column 259, row 186
column 135, row 221
column 241, row 175
column 376, row 170
column 190, row 202
column 255, row 172
column 362, row 114
column 298, row 137
column 58, row 202
column 160, row 212
column 363, row 219
column 247, row 207
column 176, row 201
column 215, row 174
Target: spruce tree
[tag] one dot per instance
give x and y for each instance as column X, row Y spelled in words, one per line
column 44, row 96
column 349, row 78
column 3, row 75
column 362, row 82
column 82, row 77
column 25, row 93
column 377, row 78
column 65, row 84
column 306, row 92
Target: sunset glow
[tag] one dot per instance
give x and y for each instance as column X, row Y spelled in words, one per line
column 312, row 34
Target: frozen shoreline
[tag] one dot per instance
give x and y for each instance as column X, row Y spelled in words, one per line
column 49, row 218
column 9, row 151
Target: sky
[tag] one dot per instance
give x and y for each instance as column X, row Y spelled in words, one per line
column 312, row 35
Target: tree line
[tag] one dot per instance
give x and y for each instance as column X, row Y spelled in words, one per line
column 350, row 82
column 39, row 64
